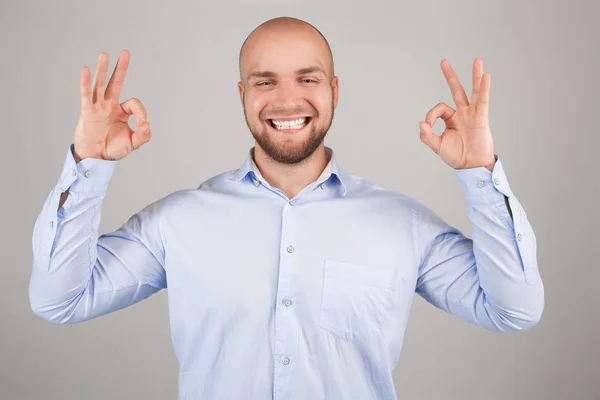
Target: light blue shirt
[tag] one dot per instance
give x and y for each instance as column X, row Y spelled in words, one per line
column 277, row 298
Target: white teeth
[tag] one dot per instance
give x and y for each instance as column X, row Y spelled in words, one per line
column 295, row 124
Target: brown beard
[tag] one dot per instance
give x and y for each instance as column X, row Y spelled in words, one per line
column 286, row 155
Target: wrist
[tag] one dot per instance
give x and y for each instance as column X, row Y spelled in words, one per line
column 76, row 156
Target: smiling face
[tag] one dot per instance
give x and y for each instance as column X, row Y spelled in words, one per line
column 288, row 90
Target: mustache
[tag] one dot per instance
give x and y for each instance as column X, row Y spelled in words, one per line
column 289, row 113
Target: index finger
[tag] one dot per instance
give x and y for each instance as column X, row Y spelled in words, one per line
column 113, row 90
column 458, row 92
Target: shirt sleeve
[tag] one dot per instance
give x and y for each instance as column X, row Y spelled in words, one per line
column 493, row 279
column 78, row 275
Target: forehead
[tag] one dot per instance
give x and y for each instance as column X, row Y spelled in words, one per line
column 284, row 52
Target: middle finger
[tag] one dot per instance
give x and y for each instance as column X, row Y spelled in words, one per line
column 458, row 92
column 113, row 89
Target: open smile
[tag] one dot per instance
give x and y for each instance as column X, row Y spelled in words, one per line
column 289, row 125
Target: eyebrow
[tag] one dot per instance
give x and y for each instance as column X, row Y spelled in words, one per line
column 309, row 70
column 271, row 74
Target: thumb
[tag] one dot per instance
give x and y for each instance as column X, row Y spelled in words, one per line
column 429, row 138
column 141, row 136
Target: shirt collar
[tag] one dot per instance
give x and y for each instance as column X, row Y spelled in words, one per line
column 332, row 168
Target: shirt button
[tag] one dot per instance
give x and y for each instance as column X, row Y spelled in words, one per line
column 257, row 183
column 88, row 174
column 287, row 302
column 519, row 237
column 323, row 186
column 290, row 249
column 481, row 184
column 73, row 172
column 51, row 224
column 496, row 181
column 285, row 361
column 291, row 202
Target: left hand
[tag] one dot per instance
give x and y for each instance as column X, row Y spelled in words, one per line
column 467, row 140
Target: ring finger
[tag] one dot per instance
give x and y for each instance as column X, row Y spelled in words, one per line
column 100, row 78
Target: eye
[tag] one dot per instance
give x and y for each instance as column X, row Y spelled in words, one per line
column 262, row 83
column 309, row 80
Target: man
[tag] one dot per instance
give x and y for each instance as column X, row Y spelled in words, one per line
column 288, row 277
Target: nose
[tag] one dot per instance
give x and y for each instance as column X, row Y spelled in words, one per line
column 287, row 96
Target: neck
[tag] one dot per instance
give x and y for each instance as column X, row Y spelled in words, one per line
column 291, row 178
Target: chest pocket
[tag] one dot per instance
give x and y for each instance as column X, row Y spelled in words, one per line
column 354, row 299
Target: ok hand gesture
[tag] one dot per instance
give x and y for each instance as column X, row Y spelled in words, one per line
column 467, row 140
column 103, row 130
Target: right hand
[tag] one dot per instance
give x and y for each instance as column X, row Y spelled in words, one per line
column 103, row 130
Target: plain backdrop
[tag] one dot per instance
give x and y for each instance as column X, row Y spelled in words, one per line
column 544, row 61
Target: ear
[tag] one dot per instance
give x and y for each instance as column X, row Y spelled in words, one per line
column 335, row 86
column 241, row 90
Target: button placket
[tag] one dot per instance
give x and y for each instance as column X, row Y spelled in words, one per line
column 286, row 325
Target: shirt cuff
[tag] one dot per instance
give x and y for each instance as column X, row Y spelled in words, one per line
column 482, row 186
column 90, row 175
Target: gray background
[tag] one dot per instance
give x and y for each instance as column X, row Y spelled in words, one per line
column 544, row 61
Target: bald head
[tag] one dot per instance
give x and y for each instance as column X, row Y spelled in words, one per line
column 286, row 74
column 279, row 29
